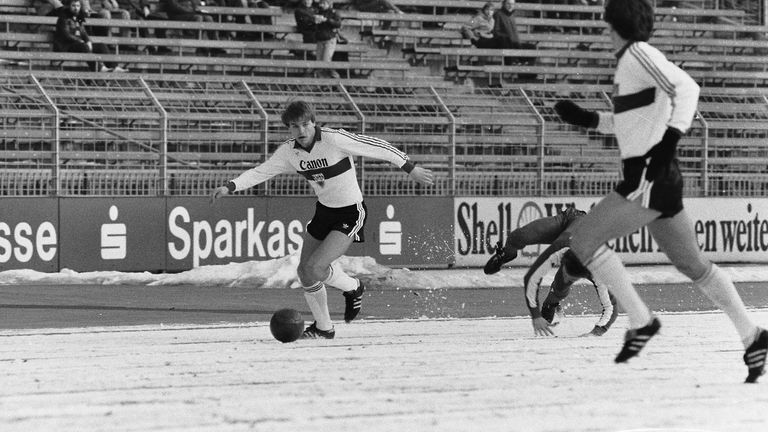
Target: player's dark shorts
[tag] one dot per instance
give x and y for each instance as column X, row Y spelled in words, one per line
column 349, row 220
column 573, row 266
column 658, row 185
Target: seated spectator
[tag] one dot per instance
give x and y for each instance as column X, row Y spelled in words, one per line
column 54, row 8
column 378, row 6
column 140, row 10
column 88, row 12
column 188, row 10
column 375, row 6
column 250, row 19
column 327, row 25
column 47, row 7
column 479, row 30
column 116, row 11
column 71, row 36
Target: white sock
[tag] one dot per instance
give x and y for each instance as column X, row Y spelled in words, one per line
column 716, row 285
column 317, row 299
column 338, row 279
column 607, row 269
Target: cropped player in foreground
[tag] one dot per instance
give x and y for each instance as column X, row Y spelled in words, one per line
column 324, row 157
column 551, row 230
column 654, row 103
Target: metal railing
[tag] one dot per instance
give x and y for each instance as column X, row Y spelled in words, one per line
column 155, row 135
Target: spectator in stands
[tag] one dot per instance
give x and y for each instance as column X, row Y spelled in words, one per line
column 71, row 36
column 55, row 7
column 505, row 28
column 88, row 12
column 326, row 29
column 116, row 11
column 306, row 23
column 249, row 19
column 479, row 30
column 189, row 10
column 47, row 7
column 140, row 10
column 304, row 14
column 379, row 6
column 505, row 32
column 252, row 4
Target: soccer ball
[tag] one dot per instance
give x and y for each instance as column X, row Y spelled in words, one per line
column 286, row 325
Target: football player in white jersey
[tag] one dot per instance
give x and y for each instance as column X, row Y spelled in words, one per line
column 324, row 156
column 654, row 103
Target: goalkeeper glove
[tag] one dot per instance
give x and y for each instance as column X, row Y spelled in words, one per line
column 571, row 113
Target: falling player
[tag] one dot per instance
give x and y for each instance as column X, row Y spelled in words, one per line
column 551, row 230
column 324, row 157
column 653, row 105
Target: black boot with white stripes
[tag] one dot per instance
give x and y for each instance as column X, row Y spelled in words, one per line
column 635, row 340
column 755, row 356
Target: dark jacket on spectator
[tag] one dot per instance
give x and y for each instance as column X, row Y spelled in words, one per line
column 176, row 8
column 70, row 30
column 505, row 28
column 305, row 23
column 327, row 30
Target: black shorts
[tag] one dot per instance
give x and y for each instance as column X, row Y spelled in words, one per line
column 349, row 220
column 658, row 186
column 573, row 267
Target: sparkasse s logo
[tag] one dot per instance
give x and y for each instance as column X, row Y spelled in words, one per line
column 114, row 238
column 390, row 234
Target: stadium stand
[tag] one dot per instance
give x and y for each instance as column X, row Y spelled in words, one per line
column 180, row 124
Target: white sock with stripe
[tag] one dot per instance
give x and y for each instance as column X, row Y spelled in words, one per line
column 716, row 285
column 338, row 279
column 607, row 269
column 317, row 299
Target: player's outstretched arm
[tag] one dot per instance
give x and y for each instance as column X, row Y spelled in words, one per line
column 571, row 113
column 422, row 176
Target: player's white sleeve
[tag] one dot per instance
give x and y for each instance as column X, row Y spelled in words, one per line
column 363, row 145
column 675, row 82
column 276, row 164
column 533, row 280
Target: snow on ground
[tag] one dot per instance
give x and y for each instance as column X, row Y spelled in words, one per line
column 441, row 375
column 380, row 376
column 281, row 273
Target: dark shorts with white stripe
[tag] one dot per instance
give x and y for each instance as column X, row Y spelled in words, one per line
column 659, row 186
column 349, row 220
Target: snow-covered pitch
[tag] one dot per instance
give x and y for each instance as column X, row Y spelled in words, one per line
column 395, row 375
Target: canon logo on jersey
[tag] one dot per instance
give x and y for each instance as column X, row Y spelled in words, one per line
column 313, row 164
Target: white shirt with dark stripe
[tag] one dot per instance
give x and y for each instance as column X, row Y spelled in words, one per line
column 650, row 94
column 328, row 165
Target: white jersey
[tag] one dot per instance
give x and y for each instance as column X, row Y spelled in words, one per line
column 649, row 95
column 328, row 164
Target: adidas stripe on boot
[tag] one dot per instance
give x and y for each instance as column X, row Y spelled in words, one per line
column 755, row 356
column 635, row 340
column 353, row 301
column 312, row 332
